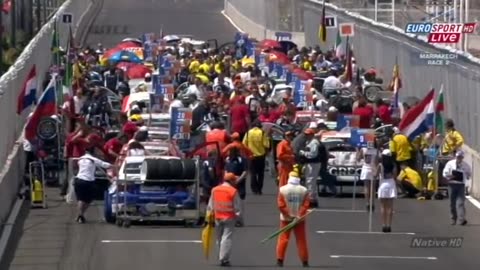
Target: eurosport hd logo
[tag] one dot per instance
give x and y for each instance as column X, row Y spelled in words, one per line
column 441, row 32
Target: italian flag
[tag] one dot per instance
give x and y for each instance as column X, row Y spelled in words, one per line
column 439, row 108
column 339, row 46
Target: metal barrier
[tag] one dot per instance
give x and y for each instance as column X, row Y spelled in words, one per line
column 38, row 52
column 379, row 46
column 263, row 18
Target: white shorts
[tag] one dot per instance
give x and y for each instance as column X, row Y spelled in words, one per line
column 366, row 174
column 387, row 189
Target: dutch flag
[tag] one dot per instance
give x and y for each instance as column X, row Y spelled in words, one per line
column 419, row 119
column 28, row 95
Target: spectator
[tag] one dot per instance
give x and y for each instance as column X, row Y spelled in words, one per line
column 239, row 117
column 365, row 113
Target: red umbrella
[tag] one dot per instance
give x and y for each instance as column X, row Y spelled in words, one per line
column 128, row 44
column 302, row 74
column 279, row 57
column 269, row 43
column 125, row 65
column 137, row 71
column 122, row 46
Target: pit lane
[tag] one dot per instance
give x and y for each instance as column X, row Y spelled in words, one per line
column 59, row 243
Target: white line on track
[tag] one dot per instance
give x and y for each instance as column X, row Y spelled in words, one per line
column 339, row 210
column 474, row 201
column 151, row 241
column 364, row 232
column 232, row 22
column 382, row 257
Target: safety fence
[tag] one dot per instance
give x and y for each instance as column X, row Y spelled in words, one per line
column 38, row 52
column 377, row 45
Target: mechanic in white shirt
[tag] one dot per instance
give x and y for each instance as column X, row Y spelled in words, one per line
column 332, row 81
column 196, row 89
column 179, row 103
column 85, row 181
column 223, row 80
column 457, row 172
column 312, row 161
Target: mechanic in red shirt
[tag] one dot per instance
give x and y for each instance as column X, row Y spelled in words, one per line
column 275, row 112
column 365, row 112
column 240, row 117
column 384, row 112
column 76, row 144
column 128, row 128
column 265, row 115
column 113, row 147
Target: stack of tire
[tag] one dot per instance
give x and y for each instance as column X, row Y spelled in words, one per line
column 168, row 169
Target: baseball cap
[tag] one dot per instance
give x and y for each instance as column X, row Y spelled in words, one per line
column 309, row 131
column 230, row 177
column 459, row 153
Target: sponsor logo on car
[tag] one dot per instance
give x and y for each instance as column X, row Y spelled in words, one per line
column 344, row 170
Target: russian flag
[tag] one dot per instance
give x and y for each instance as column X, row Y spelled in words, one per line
column 419, row 119
column 28, row 95
column 46, row 107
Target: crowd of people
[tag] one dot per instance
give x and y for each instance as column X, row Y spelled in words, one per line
column 223, row 86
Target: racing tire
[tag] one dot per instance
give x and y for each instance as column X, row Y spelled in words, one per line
column 156, row 169
column 107, row 208
column 119, row 222
column 127, row 223
column 175, row 169
column 189, row 169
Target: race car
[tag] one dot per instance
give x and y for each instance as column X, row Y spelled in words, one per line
column 162, row 148
column 158, row 133
column 344, row 163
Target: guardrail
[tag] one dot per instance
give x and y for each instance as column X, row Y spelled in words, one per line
column 380, row 46
column 37, row 52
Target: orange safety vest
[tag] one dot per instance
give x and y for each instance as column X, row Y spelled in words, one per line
column 223, row 199
column 216, row 135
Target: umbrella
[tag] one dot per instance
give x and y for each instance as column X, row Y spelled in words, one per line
column 302, row 74
column 279, row 57
column 124, row 56
column 286, row 228
column 128, row 44
column 287, row 45
column 207, row 235
column 269, row 43
column 171, row 38
column 125, row 65
column 137, row 71
column 136, row 40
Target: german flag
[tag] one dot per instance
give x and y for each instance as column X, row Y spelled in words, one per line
column 322, row 31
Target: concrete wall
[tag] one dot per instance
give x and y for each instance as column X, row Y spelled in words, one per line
column 38, row 53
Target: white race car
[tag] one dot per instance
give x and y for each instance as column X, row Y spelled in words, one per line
column 343, row 164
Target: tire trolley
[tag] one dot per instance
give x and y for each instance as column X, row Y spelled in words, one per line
column 167, row 189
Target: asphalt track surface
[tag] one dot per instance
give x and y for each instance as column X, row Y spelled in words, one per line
column 50, row 240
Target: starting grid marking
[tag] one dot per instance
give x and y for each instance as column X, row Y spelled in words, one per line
column 150, row 241
column 340, row 210
column 381, row 257
column 365, row 232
